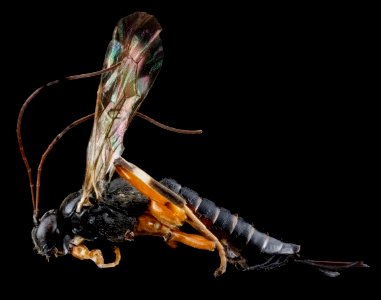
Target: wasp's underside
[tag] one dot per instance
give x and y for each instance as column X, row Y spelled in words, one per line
column 115, row 211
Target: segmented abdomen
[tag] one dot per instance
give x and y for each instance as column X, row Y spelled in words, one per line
column 229, row 226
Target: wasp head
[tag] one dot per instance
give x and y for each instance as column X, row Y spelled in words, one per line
column 45, row 234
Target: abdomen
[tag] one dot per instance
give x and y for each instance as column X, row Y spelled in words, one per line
column 226, row 225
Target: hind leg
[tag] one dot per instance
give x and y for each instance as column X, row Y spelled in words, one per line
column 170, row 209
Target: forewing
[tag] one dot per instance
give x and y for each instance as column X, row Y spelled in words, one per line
column 136, row 45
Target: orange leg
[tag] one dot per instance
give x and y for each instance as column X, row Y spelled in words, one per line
column 167, row 213
column 148, row 225
column 82, row 252
column 169, row 209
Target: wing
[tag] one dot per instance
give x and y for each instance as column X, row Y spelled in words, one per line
column 136, row 45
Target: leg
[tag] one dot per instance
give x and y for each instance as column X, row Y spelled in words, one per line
column 166, row 206
column 192, row 240
column 82, row 252
column 148, row 225
column 199, row 226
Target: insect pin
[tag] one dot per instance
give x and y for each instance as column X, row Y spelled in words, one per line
column 113, row 211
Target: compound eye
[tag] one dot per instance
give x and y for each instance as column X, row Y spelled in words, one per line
column 45, row 234
column 47, row 226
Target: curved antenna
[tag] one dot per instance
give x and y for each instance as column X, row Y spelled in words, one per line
column 48, row 149
column 19, row 121
column 36, row 196
column 166, row 127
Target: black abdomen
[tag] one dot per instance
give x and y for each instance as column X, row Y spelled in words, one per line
column 226, row 225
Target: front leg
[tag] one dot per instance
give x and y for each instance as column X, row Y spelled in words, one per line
column 82, row 252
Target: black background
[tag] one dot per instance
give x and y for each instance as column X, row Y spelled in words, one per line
column 283, row 95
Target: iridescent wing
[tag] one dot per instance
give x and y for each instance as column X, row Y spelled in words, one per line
column 136, row 45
